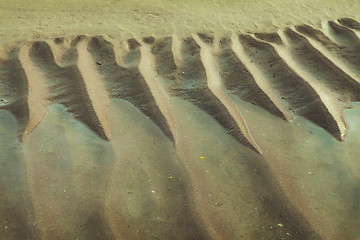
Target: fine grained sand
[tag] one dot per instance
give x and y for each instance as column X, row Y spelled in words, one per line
column 181, row 120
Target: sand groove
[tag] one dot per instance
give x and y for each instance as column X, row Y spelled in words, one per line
column 83, row 73
column 14, row 89
column 189, row 81
column 348, row 54
column 126, row 82
column 38, row 94
column 299, row 97
column 147, row 69
column 66, row 86
column 350, row 23
column 216, row 86
column 328, row 98
column 239, row 81
column 95, row 86
column 326, row 72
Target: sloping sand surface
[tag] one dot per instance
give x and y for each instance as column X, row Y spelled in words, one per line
column 179, row 120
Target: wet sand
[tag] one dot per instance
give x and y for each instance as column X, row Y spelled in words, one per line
column 180, row 120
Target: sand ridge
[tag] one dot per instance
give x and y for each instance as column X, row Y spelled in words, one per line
column 70, row 75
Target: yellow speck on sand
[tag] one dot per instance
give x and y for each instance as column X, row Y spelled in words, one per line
column 171, row 177
column 6, row 227
column 202, row 157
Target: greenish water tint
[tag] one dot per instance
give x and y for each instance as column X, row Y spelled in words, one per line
column 65, row 181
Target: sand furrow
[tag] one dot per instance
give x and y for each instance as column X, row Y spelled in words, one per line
column 215, row 85
column 95, row 87
column 329, row 99
column 14, row 89
column 237, row 79
column 345, row 56
column 63, row 49
column 343, row 35
column 343, row 62
column 190, row 83
column 164, row 57
column 126, row 82
column 160, row 93
column 38, row 91
column 323, row 68
column 270, row 37
column 300, row 98
column 350, row 23
column 259, row 77
column 67, row 86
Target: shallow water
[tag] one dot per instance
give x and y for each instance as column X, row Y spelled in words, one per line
column 66, row 182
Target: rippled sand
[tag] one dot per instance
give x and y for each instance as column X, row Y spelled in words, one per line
column 157, row 120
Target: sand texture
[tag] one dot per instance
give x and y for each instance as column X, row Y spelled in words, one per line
column 180, row 120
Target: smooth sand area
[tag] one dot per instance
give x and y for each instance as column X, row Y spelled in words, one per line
column 179, row 120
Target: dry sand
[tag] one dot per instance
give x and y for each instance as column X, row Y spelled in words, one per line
column 179, row 120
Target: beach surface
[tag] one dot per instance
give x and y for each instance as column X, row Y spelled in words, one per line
column 179, row 120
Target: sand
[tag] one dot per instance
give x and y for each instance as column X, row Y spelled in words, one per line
column 179, row 120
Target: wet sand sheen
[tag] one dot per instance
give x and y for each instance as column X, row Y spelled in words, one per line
column 124, row 197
